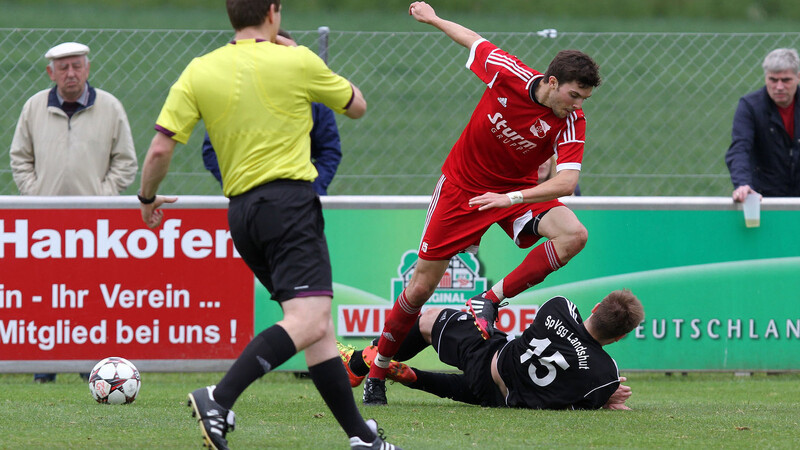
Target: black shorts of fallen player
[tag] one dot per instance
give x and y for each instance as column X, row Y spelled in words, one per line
column 279, row 231
column 459, row 343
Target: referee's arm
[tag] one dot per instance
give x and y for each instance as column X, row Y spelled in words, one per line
column 358, row 105
column 154, row 169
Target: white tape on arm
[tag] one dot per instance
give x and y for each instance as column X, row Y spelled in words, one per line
column 515, row 197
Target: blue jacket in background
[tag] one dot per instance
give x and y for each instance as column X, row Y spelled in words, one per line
column 762, row 155
column 326, row 148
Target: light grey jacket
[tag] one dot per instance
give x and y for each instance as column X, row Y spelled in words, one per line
column 91, row 153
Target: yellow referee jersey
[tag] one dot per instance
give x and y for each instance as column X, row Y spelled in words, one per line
column 255, row 99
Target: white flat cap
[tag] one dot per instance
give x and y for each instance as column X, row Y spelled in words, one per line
column 66, row 49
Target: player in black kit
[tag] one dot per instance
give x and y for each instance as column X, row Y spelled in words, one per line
column 557, row 363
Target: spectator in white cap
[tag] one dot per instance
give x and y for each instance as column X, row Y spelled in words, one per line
column 72, row 139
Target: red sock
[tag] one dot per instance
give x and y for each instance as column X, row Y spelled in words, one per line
column 490, row 295
column 397, row 326
column 539, row 263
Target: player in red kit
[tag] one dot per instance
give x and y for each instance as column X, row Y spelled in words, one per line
column 490, row 176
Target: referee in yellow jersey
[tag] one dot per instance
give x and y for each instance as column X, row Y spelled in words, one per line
column 254, row 95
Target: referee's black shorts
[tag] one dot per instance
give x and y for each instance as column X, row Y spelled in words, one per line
column 459, row 343
column 278, row 230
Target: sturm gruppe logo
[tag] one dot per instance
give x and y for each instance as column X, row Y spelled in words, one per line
column 460, row 282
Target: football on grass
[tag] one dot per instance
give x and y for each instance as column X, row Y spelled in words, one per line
column 114, row 380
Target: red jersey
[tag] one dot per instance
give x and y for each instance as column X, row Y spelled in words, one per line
column 510, row 134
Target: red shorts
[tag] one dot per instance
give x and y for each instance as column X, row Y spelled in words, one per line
column 453, row 227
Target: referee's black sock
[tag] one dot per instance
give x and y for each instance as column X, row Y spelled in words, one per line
column 333, row 385
column 271, row 348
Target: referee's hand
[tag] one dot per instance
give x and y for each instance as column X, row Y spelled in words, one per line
column 151, row 215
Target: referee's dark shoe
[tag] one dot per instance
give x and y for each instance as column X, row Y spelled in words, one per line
column 214, row 420
column 374, row 392
column 485, row 313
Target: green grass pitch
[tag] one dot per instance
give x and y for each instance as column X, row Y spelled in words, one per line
column 698, row 410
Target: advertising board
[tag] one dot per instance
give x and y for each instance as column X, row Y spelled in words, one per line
column 80, row 281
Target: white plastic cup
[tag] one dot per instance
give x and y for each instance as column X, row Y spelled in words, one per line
column 752, row 211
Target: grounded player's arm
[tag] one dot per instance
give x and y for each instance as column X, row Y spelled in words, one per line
column 424, row 13
column 154, row 169
column 358, row 106
column 618, row 398
column 561, row 185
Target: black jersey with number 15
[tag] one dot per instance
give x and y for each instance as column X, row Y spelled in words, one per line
column 556, row 363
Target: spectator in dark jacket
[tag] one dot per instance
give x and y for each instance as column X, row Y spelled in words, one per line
column 764, row 156
column 326, row 148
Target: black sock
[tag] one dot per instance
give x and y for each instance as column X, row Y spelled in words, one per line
column 357, row 364
column 334, row 387
column 412, row 344
column 271, row 348
column 446, row 385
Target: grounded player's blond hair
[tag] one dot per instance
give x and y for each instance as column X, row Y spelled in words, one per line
column 618, row 314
